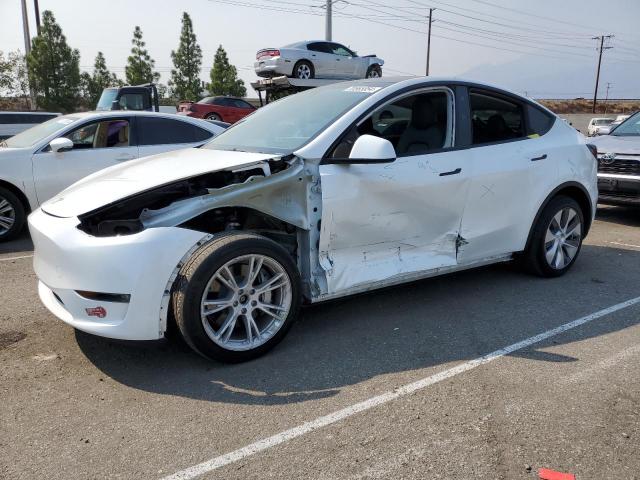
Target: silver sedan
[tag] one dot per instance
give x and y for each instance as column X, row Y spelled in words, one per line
column 316, row 59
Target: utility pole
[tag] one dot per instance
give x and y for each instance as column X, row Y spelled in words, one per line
column 36, row 8
column 602, row 47
column 606, row 100
column 25, row 28
column 327, row 25
column 429, row 39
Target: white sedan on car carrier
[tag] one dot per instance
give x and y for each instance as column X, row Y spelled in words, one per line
column 45, row 159
column 316, row 59
column 337, row 190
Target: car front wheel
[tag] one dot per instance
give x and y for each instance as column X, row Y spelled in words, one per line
column 374, row 71
column 556, row 238
column 213, row 116
column 12, row 215
column 236, row 297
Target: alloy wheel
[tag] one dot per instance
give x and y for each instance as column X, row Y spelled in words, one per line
column 7, row 216
column 246, row 302
column 562, row 239
column 303, row 72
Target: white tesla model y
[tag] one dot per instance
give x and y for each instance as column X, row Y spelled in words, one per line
column 337, row 190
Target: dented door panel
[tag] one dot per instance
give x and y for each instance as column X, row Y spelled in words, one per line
column 381, row 221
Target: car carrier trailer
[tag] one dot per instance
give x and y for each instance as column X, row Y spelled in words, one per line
column 289, row 85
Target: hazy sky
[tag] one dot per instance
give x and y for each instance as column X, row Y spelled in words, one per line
column 551, row 36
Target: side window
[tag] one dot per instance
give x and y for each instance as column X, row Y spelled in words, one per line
column 133, row 101
column 105, row 134
column 164, row 131
column 415, row 125
column 495, row 118
column 200, row 134
column 321, row 47
column 240, row 103
column 540, row 122
column 338, row 49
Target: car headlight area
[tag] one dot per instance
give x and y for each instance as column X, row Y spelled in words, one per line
column 118, row 286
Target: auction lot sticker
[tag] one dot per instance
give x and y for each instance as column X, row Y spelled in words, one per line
column 362, row 89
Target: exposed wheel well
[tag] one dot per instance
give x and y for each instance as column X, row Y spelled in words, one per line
column 18, row 193
column 572, row 190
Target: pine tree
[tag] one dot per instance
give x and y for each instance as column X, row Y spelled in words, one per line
column 102, row 78
column 185, row 78
column 140, row 65
column 54, row 68
column 224, row 77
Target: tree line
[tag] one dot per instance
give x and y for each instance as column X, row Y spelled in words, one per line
column 51, row 71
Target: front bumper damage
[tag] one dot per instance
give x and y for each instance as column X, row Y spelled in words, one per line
column 618, row 189
column 140, row 266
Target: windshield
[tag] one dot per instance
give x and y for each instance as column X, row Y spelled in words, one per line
column 629, row 128
column 603, row 121
column 107, row 98
column 33, row 135
column 287, row 124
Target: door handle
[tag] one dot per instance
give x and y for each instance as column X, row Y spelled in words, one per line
column 541, row 157
column 452, row 172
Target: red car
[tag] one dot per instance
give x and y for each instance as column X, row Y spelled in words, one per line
column 225, row 109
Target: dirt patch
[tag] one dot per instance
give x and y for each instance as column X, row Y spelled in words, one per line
column 11, row 337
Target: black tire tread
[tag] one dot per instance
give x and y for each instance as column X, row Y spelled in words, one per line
column 20, row 212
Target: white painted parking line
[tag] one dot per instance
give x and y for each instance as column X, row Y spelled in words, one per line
column 624, row 244
column 15, row 258
column 285, row 436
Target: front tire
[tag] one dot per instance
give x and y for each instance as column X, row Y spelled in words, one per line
column 237, row 297
column 213, row 116
column 12, row 215
column 556, row 239
column 303, row 70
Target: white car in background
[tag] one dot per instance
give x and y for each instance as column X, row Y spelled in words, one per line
column 316, row 59
column 595, row 124
column 337, row 190
column 44, row 160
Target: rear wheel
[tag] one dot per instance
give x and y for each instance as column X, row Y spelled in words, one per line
column 12, row 215
column 237, row 297
column 303, row 70
column 374, row 71
column 556, row 238
column 213, row 116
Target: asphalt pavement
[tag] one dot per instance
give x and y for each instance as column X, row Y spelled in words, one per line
column 332, row 402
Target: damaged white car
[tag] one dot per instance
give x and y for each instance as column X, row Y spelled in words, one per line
column 337, row 190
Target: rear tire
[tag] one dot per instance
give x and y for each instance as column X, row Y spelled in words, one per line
column 237, row 297
column 303, row 70
column 374, row 71
column 556, row 238
column 12, row 215
column 213, row 116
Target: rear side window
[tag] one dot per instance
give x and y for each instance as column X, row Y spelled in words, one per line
column 319, row 47
column 164, row 131
column 495, row 118
column 539, row 121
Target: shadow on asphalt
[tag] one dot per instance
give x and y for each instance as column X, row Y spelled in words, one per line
column 428, row 323
column 628, row 216
column 22, row 244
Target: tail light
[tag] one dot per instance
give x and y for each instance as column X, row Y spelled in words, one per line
column 191, row 108
column 267, row 53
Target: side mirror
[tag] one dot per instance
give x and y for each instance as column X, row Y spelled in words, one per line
column 372, row 149
column 115, row 105
column 603, row 131
column 61, row 144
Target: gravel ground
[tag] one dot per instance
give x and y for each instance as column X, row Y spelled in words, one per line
column 77, row 406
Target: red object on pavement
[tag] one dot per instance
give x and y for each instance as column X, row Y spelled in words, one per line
column 546, row 474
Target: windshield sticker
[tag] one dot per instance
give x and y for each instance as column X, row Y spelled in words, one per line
column 362, row 89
